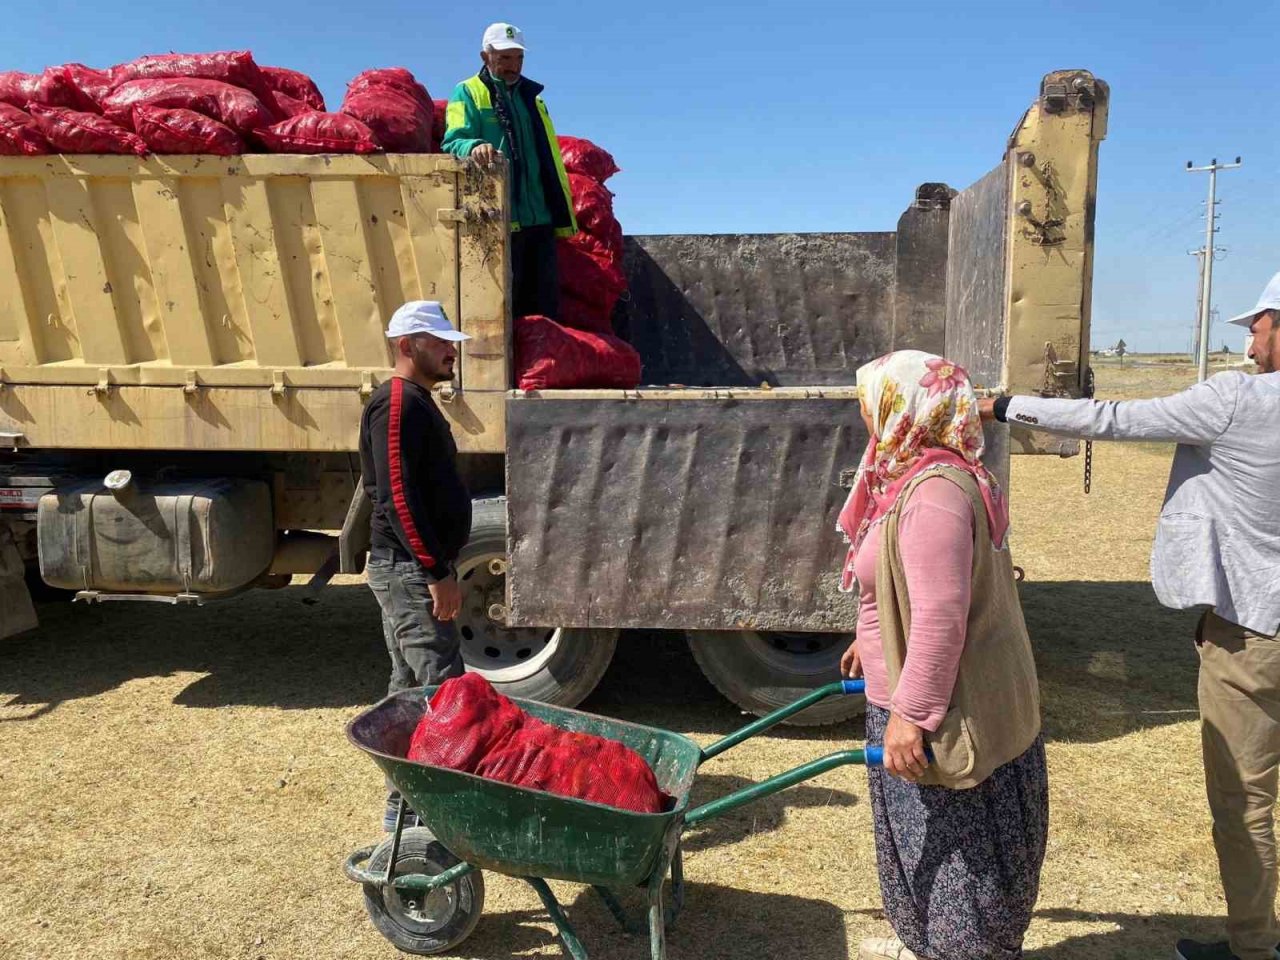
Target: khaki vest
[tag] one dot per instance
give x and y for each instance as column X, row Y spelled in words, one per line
column 995, row 707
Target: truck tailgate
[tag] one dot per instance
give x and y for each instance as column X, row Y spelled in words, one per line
column 711, row 509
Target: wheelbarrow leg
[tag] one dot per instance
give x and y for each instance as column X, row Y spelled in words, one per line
column 677, row 886
column 657, row 918
column 565, row 929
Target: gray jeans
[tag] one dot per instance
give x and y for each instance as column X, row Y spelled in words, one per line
column 423, row 649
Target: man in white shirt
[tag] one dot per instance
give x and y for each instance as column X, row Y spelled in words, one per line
column 1217, row 545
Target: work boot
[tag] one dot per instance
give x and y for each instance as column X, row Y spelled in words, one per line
column 1221, row 950
column 891, row 948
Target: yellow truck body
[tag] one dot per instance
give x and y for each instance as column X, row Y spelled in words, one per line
column 238, row 303
column 212, row 326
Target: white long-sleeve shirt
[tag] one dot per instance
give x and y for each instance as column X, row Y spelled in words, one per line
column 1218, row 538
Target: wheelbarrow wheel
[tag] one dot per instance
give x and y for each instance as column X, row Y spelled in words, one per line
column 428, row 922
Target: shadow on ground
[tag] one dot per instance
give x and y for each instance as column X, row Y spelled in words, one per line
column 759, row 816
column 1133, row 937
column 1111, row 659
column 717, row 922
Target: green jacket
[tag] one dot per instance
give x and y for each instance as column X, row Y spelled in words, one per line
column 539, row 184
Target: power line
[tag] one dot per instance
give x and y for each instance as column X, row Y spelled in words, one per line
column 1207, row 257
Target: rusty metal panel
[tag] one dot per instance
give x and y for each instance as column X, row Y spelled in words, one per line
column 976, row 267
column 653, row 510
column 742, row 310
column 274, row 275
column 920, row 290
column 711, row 513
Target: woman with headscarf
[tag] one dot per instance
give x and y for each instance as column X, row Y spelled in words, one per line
column 960, row 808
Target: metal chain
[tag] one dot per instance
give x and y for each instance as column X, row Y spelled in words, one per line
column 1088, row 444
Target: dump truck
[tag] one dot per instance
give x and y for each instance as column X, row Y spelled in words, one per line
column 186, row 344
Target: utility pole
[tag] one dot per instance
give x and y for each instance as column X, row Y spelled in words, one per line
column 1206, row 261
column 1195, row 329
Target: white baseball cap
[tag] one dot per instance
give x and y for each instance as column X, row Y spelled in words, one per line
column 502, row 36
column 1270, row 300
column 423, row 316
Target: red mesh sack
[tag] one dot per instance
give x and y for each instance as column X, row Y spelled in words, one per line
column 394, row 116
column 90, row 86
column 76, row 131
column 584, row 157
column 550, row 356
column 295, row 84
column 396, row 77
column 589, row 271
column 184, row 131
column 232, row 106
column 16, row 88
column 20, row 134
column 50, row 88
column 609, row 238
column 542, row 757
column 286, row 107
column 592, row 317
column 318, row 133
column 438, row 123
column 234, row 67
column 592, row 204
column 466, row 720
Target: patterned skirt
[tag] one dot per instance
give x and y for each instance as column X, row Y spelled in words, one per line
column 960, row 869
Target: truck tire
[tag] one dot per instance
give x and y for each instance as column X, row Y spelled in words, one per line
column 761, row 671
column 559, row 666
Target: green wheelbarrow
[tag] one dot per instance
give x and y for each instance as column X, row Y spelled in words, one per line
column 423, row 886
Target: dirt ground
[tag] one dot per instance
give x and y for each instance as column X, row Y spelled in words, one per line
column 176, row 782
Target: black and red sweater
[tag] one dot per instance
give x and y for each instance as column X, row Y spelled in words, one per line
column 408, row 463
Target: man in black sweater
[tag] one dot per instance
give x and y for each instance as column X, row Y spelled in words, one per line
column 421, row 507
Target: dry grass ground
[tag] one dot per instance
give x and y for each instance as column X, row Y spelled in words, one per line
column 175, row 783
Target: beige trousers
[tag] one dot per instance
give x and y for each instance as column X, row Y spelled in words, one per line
column 1240, row 712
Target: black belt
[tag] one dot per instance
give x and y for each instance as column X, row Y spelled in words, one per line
column 394, row 554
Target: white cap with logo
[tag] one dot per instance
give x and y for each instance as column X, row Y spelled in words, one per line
column 423, row 316
column 503, row 36
column 1270, row 300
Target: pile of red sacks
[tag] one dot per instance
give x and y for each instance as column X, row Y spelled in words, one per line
column 580, row 350
column 211, row 103
column 472, row 728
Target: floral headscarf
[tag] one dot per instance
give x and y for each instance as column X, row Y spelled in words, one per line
column 924, row 414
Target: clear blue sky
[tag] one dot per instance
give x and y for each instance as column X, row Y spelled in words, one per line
column 763, row 117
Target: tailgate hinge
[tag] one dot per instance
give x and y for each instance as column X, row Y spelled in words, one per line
column 1061, row 377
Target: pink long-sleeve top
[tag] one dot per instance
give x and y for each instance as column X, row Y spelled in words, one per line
column 935, row 539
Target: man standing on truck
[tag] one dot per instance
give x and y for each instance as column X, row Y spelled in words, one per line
column 1217, row 545
column 421, row 507
column 499, row 112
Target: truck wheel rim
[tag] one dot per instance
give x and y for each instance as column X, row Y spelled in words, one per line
column 808, row 654
column 498, row 653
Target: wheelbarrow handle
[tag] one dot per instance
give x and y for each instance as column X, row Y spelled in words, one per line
column 839, row 688
column 871, row 756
